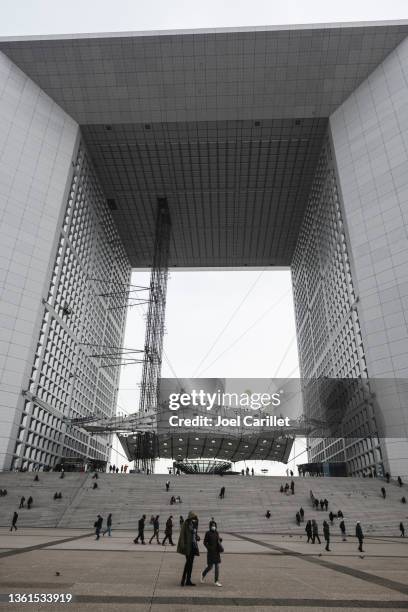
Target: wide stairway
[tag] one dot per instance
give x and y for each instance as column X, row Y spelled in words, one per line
column 128, row 496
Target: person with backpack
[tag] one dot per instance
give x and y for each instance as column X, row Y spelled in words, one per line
column 156, row 527
column 188, row 546
column 212, row 542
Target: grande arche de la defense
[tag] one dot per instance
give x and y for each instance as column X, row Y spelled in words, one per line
column 259, row 148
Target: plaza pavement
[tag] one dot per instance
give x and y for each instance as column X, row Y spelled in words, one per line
column 258, row 572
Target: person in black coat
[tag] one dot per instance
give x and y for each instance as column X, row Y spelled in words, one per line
column 22, row 500
column 14, row 522
column 168, row 531
column 383, row 493
column 399, row 479
column 188, row 546
column 402, row 530
column 212, row 542
column 156, row 527
column 140, row 527
column 315, row 532
column 326, row 534
column 343, row 530
column 29, row 502
column 308, row 530
column 302, row 514
column 98, row 526
column 359, row 536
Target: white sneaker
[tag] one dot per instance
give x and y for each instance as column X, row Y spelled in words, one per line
column 202, row 578
column 218, row 584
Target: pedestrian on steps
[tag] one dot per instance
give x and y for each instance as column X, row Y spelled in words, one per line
column 156, row 527
column 402, row 530
column 108, row 529
column 326, row 534
column 168, row 532
column 315, row 532
column 359, row 536
column 343, row 530
column 309, row 532
column 140, row 527
column 98, row 526
column 383, row 493
column 14, row 522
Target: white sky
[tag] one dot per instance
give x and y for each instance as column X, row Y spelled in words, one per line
column 241, row 322
column 23, row 17
column 259, row 341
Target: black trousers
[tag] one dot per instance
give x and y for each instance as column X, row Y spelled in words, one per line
column 188, row 568
column 314, row 537
column 169, row 538
column 139, row 535
column 360, row 544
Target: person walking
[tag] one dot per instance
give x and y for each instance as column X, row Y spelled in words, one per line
column 267, row 515
column 315, row 532
column 321, row 504
column 383, row 493
column 402, row 530
column 399, row 480
column 168, row 532
column 14, row 522
column 302, row 514
column 108, row 529
column 326, row 504
column 297, row 516
column 22, row 500
column 29, row 502
column 156, row 527
column 292, row 487
column 212, row 522
column 188, row 546
column 140, row 530
column 212, row 542
column 331, row 517
column 359, row 536
column 326, row 534
column 309, row 532
column 253, row 472
column 343, row 530
column 167, row 485
column 222, row 493
column 98, row 526
column 181, row 520
column 387, row 477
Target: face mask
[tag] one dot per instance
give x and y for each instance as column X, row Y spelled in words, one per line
column 213, row 527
